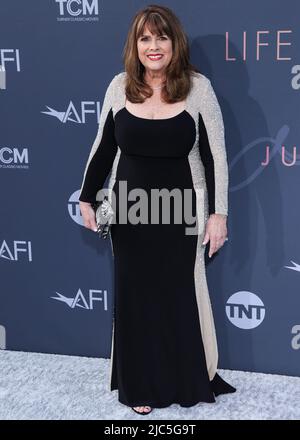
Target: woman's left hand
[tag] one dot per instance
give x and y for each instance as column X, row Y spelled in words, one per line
column 216, row 232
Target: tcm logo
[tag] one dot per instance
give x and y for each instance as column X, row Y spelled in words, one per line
column 79, row 300
column 71, row 114
column 2, row 338
column 13, row 157
column 10, row 57
column 296, row 339
column 245, row 310
column 17, row 251
column 78, row 10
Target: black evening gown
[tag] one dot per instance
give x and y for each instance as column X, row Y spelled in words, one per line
column 158, row 356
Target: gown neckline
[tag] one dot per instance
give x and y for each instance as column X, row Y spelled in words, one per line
column 148, row 119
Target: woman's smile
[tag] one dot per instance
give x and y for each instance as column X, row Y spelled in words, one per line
column 155, row 57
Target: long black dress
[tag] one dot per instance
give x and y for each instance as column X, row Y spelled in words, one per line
column 164, row 348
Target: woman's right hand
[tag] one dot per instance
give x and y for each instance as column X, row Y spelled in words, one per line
column 88, row 215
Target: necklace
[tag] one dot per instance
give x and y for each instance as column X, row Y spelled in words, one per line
column 156, row 88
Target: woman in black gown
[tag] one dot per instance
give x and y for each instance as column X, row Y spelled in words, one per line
column 161, row 128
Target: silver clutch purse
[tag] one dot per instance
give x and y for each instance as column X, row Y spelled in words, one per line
column 104, row 216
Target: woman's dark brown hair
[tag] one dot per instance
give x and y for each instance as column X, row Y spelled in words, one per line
column 160, row 20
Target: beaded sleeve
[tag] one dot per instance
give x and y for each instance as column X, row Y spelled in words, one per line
column 213, row 150
column 103, row 150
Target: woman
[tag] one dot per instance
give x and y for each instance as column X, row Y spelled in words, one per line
column 161, row 128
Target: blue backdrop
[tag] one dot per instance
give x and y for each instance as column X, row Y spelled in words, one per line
column 57, row 276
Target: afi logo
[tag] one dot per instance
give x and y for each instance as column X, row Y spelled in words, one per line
column 79, row 299
column 2, row 78
column 296, row 266
column 10, row 56
column 245, row 310
column 78, row 7
column 72, row 115
column 17, row 247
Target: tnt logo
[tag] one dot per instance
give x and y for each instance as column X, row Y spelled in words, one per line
column 73, row 204
column 74, row 8
column 245, row 310
column 73, row 208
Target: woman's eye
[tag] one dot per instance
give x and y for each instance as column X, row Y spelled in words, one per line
column 146, row 38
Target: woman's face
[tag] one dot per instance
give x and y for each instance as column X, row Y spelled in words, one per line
column 161, row 45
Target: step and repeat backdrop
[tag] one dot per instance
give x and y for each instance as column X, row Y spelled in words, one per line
column 57, row 58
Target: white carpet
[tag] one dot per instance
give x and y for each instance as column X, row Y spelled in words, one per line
column 41, row 386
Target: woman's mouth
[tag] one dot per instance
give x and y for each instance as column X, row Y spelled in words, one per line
column 154, row 57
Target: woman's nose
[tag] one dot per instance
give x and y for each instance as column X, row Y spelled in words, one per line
column 153, row 45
